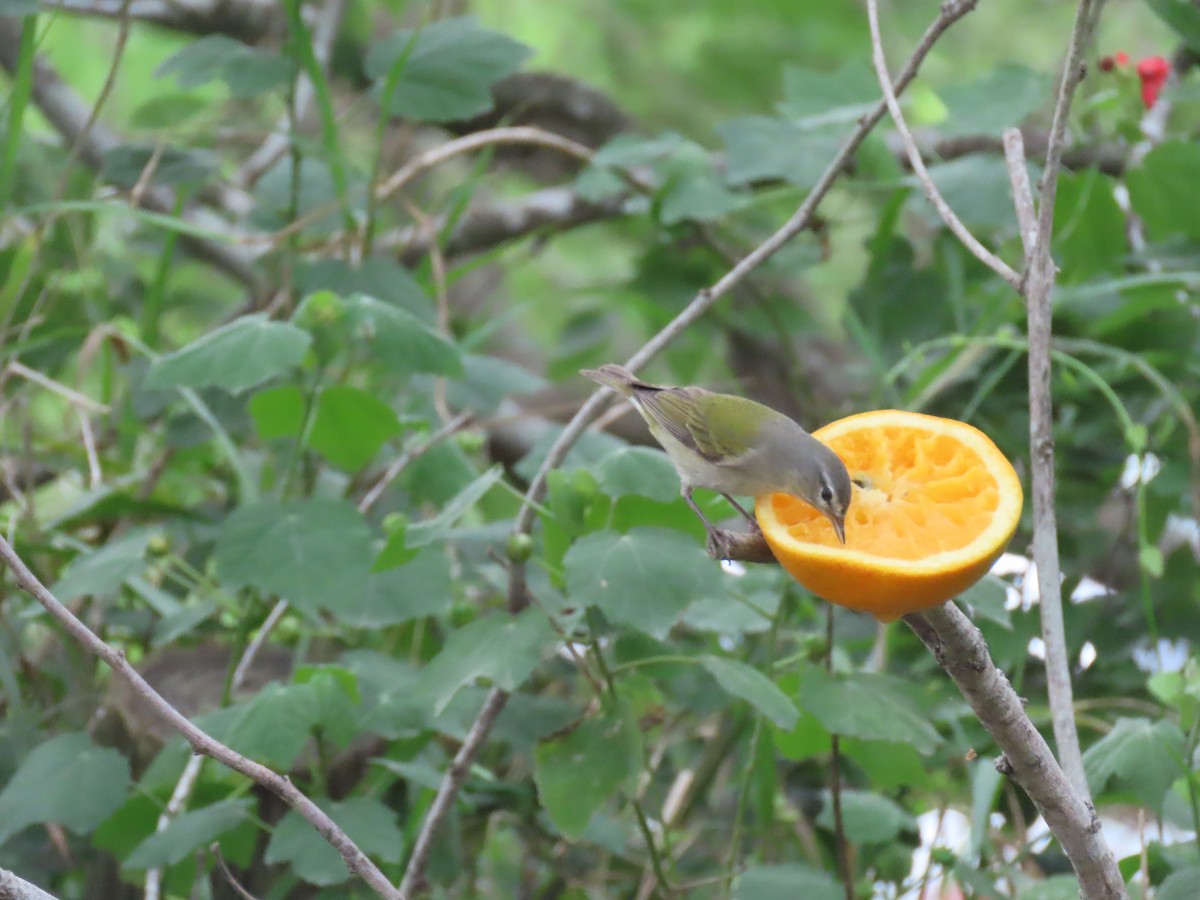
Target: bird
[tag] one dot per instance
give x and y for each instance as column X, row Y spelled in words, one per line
column 735, row 446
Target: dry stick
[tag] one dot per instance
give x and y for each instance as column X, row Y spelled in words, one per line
column 985, row 256
column 960, row 649
column 950, row 13
column 14, row 888
column 191, row 772
column 408, row 456
column 460, row 766
column 280, row 785
column 1039, row 289
column 835, row 756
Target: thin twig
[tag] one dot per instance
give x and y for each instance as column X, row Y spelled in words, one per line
column 835, row 778
column 460, row 766
column 75, row 398
column 1018, row 177
column 200, row 741
column 953, row 222
column 1040, row 275
column 407, row 458
column 215, row 850
column 517, row 134
column 950, row 13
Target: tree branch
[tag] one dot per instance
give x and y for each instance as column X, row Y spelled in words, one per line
column 1040, row 275
column 14, row 888
column 959, row 648
column 356, row 861
column 947, row 215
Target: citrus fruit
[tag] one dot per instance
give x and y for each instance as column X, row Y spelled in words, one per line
column 935, row 503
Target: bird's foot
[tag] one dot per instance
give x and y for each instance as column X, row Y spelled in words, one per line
column 718, row 544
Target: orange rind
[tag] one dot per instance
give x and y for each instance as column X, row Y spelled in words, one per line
column 935, row 503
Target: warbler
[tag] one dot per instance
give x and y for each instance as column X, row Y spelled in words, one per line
column 735, row 446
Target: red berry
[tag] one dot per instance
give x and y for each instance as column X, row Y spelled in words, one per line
column 1153, row 72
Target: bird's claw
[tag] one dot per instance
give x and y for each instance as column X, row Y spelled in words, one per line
column 718, row 544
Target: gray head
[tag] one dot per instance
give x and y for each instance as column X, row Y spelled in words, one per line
column 816, row 475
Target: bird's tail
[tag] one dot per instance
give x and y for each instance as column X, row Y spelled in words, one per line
column 616, row 377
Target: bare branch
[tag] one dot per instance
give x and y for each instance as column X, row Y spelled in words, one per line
column 1040, row 276
column 960, row 649
column 953, row 222
column 1018, row 177
column 246, row 20
column 520, row 134
column 356, row 861
column 401, row 462
column 414, row 873
column 14, row 888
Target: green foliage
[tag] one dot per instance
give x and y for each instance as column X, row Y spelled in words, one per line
column 263, row 338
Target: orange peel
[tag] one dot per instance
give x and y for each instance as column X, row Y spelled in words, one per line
column 935, row 503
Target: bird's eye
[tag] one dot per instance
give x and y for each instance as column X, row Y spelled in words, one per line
column 826, row 494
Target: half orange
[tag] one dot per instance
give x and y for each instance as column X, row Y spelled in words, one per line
column 935, row 504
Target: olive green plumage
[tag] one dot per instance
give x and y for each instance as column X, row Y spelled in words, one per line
column 735, row 446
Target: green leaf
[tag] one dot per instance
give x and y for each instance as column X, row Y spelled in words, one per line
column 1183, row 17
column 868, row 818
column 374, row 277
column 237, row 356
column 1001, row 98
column 335, row 690
column 435, row 529
column 246, row 70
column 1089, row 227
column 1058, row 887
column 350, row 426
column 399, row 340
column 976, row 187
column 643, row 579
column 69, row 781
column 104, row 570
column 451, row 66
column 763, row 147
column 577, row 772
column 1150, row 558
column 272, row 728
column 420, row 587
column 501, row 648
column 987, row 599
column 126, row 164
column 754, row 687
column 368, row 822
column 188, row 832
column 786, row 881
column 1182, row 884
column 840, row 96
column 1165, row 190
column 302, row 551
column 867, row 706
column 277, row 412
column 487, row 381
column 638, row 470
column 1142, row 756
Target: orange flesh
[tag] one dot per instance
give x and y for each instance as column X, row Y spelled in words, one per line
column 916, row 494
column 934, row 504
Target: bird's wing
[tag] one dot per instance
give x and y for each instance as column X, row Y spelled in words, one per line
column 719, row 427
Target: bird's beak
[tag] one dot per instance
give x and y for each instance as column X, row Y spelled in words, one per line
column 839, row 526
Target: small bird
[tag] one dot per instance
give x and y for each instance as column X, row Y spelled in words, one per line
column 735, row 446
